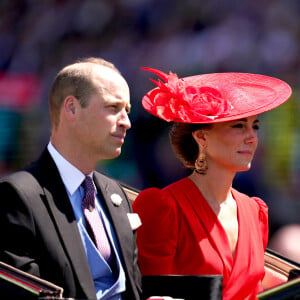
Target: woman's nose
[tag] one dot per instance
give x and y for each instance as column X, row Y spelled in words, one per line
column 252, row 136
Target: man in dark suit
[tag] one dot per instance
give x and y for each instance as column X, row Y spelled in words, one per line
column 43, row 225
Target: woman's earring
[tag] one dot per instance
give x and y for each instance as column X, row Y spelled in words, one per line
column 201, row 163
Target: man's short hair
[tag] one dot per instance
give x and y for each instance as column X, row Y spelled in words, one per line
column 74, row 80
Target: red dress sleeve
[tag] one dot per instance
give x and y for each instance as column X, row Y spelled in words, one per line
column 157, row 237
column 263, row 219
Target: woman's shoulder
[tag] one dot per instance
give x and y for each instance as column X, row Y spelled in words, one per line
column 261, row 204
column 155, row 205
column 251, row 199
column 254, row 203
column 154, row 196
column 154, row 191
column 149, row 193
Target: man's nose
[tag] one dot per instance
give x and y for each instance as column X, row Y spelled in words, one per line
column 125, row 121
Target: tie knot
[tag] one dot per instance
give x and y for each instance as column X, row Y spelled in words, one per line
column 89, row 192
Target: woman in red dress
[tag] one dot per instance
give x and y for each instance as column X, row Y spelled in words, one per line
column 201, row 225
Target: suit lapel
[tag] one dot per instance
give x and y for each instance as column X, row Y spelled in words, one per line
column 118, row 216
column 62, row 214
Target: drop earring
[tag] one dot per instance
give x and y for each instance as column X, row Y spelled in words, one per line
column 201, row 163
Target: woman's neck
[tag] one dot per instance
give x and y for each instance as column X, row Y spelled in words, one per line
column 215, row 187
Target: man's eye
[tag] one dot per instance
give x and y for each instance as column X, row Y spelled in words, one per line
column 113, row 107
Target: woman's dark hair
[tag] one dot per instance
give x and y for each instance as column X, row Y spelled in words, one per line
column 183, row 142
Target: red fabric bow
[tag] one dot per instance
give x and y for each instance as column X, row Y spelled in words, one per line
column 178, row 101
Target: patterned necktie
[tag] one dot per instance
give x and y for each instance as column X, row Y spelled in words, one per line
column 93, row 219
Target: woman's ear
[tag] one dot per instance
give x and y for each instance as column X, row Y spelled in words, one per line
column 200, row 137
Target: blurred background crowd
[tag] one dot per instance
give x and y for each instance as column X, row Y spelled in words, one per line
column 188, row 37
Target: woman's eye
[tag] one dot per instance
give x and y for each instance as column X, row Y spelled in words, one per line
column 255, row 127
column 238, row 125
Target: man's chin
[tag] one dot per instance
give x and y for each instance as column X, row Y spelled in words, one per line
column 113, row 155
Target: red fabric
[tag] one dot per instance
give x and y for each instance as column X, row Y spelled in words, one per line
column 180, row 234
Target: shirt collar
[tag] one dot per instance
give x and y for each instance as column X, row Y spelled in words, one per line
column 71, row 176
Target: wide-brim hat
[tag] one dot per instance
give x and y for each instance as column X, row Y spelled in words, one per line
column 215, row 97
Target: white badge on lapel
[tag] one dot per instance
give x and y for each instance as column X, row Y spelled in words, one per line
column 116, row 199
column 134, row 220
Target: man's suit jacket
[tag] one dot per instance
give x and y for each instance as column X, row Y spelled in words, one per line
column 39, row 233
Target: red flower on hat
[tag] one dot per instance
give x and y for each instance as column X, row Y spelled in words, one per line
column 177, row 101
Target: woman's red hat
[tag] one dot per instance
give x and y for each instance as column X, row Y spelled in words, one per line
column 216, row 97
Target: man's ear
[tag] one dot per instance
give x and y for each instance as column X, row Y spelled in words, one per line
column 70, row 106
